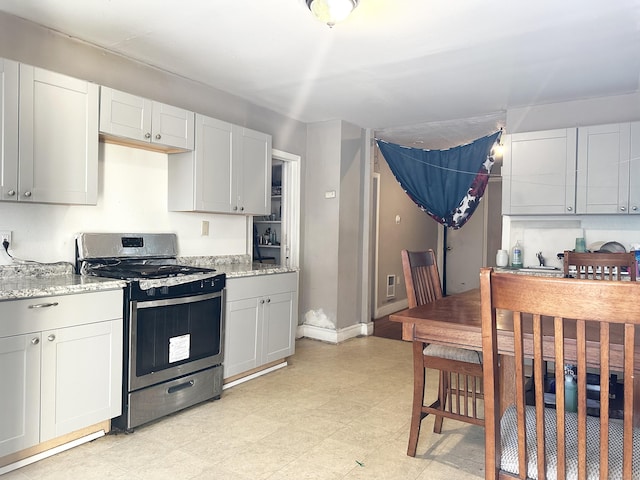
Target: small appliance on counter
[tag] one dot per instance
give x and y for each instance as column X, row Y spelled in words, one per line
column 173, row 322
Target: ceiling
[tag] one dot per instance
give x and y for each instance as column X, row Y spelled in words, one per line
column 435, row 73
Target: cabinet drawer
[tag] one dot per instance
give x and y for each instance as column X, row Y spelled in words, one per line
column 18, row 317
column 260, row 285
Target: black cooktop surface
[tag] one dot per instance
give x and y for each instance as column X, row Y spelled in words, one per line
column 127, row 271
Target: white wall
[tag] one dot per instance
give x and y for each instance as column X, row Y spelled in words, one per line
column 332, row 261
column 320, row 258
column 132, row 197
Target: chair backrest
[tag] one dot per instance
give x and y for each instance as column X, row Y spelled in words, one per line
column 421, row 277
column 587, row 324
column 601, row 266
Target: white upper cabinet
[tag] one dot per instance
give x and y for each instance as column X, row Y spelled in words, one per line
column 145, row 122
column 634, row 169
column 228, row 172
column 58, row 138
column 252, row 171
column 539, row 172
column 49, row 143
column 201, row 180
column 8, row 130
column 604, row 169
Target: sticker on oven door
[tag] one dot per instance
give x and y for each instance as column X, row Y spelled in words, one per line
column 179, row 348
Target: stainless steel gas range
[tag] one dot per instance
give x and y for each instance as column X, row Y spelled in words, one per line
column 173, row 322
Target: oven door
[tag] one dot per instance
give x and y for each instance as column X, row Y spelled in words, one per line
column 173, row 337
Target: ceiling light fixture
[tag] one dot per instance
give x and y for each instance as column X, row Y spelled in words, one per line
column 331, row 11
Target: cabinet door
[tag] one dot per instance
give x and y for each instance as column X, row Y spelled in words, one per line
column 278, row 329
column 20, row 397
column 8, row 130
column 213, row 165
column 81, row 377
column 252, row 171
column 634, row 169
column 603, row 169
column 125, row 115
column 172, row 126
column 242, row 350
column 58, row 138
column 539, row 172
column 201, row 180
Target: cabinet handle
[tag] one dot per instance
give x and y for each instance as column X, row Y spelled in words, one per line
column 27, row 194
column 11, row 193
column 623, row 209
column 570, row 209
column 262, row 301
column 268, row 300
column 242, row 209
column 158, row 137
column 44, row 305
column 35, row 341
column 147, row 135
column 51, row 337
column 235, row 208
column 634, row 208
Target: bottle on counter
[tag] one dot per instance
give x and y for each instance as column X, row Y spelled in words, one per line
column 517, row 255
column 502, row 258
column 570, row 392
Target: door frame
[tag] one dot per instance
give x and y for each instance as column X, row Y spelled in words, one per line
column 290, row 234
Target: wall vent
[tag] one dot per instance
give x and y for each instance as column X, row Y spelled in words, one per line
column 391, row 286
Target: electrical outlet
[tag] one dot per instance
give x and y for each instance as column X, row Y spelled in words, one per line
column 5, row 235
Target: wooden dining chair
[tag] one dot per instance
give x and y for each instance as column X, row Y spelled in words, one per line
column 600, row 266
column 589, row 324
column 460, row 370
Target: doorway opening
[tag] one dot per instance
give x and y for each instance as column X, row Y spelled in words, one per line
column 275, row 238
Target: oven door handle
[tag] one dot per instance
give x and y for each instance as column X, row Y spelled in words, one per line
column 182, row 386
column 175, row 301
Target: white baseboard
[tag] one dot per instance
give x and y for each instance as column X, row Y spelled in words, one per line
column 49, row 453
column 254, row 375
column 334, row 336
column 390, row 308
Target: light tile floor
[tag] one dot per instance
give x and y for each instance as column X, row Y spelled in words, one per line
column 336, row 412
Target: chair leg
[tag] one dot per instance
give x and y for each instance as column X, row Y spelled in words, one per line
column 443, row 388
column 418, row 398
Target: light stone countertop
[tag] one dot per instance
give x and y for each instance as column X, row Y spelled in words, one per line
column 42, row 280
column 37, row 280
column 235, row 266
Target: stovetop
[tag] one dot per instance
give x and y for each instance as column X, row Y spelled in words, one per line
column 137, row 271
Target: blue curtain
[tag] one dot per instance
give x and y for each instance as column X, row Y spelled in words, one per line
column 447, row 184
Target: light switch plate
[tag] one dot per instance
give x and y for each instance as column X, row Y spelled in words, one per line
column 204, row 229
column 330, row 194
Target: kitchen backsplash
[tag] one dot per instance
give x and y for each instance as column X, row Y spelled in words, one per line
column 132, row 198
column 555, row 235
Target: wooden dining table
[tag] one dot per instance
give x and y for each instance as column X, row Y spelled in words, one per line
column 455, row 320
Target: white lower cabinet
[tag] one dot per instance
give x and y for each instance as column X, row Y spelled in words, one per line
column 260, row 321
column 61, row 378
column 20, row 399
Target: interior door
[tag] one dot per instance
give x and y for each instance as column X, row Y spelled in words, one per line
column 464, row 257
column 475, row 244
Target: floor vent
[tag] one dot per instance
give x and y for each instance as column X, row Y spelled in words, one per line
column 391, row 286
